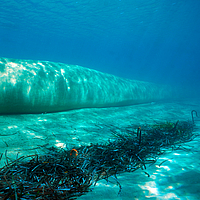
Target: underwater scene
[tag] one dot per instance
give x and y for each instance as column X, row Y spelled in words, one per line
column 99, row 99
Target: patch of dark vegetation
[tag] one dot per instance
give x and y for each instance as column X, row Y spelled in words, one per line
column 67, row 174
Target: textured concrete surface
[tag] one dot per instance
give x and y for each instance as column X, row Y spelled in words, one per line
column 31, row 86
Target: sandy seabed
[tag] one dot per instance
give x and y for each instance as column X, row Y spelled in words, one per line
column 177, row 178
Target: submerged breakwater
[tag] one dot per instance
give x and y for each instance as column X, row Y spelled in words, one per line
column 30, row 86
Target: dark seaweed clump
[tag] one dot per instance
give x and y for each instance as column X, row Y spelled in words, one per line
column 67, row 174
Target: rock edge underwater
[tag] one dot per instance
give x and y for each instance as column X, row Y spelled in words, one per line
column 31, row 86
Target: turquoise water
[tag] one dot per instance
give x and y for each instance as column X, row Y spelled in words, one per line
column 156, row 41
column 145, row 40
column 177, row 178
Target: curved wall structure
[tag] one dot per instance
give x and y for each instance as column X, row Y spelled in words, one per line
column 30, row 86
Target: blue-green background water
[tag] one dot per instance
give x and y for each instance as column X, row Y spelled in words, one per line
column 150, row 40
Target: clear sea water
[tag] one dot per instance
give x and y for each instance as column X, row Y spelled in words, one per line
column 152, row 40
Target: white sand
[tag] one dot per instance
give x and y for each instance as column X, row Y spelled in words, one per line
column 177, row 178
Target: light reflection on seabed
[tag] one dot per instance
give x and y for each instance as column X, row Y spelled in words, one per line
column 60, row 144
column 56, row 141
column 161, row 187
column 151, row 189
